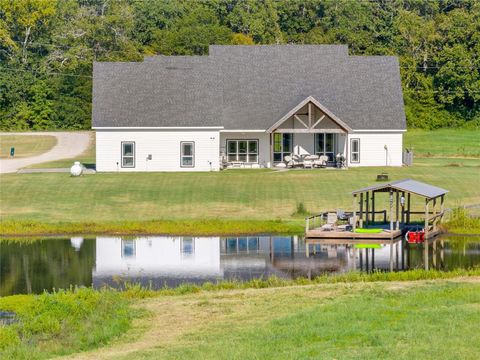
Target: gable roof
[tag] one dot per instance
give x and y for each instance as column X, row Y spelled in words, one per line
column 248, row 87
column 408, row 185
column 318, row 105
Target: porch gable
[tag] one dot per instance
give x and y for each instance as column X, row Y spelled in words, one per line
column 309, row 116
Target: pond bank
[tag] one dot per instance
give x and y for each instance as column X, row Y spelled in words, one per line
column 21, row 228
column 203, row 323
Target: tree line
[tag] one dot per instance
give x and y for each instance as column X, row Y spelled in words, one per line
column 47, row 47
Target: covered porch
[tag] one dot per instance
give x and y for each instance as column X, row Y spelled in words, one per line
column 309, row 136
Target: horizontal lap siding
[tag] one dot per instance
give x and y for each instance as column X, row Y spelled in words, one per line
column 372, row 152
column 164, row 146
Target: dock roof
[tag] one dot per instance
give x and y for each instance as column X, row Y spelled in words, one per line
column 408, row 185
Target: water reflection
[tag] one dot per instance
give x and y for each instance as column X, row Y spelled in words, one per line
column 159, row 261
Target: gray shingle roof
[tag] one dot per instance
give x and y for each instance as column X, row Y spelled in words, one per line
column 248, row 87
column 408, row 185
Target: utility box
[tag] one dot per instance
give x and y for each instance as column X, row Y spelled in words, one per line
column 407, row 157
column 12, row 151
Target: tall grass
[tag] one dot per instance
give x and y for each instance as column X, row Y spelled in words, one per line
column 132, row 290
column 462, row 222
column 62, row 322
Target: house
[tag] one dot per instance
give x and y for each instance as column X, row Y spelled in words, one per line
column 247, row 106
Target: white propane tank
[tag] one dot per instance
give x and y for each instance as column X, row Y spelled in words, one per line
column 76, row 169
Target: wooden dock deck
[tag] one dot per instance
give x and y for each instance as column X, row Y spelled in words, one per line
column 318, row 233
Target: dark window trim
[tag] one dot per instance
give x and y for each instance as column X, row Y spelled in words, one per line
column 282, row 152
column 246, row 162
column 351, row 150
column 181, row 154
column 134, row 154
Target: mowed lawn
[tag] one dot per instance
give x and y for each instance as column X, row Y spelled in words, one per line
column 412, row 320
column 443, row 142
column 231, row 194
column 25, row 145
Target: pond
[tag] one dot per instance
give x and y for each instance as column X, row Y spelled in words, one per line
column 159, row 261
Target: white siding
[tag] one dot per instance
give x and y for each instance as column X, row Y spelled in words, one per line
column 263, row 143
column 163, row 145
column 372, row 149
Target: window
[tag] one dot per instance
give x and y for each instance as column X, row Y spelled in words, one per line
column 355, row 150
column 325, row 145
column 282, row 146
column 187, row 246
column 187, row 154
column 128, row 249
column 128, row 154
column 242, row 150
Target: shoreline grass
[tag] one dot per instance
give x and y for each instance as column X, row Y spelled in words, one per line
column 83, row 319
column 18, row 228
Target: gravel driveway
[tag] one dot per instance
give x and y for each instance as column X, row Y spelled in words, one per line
column 69, row 145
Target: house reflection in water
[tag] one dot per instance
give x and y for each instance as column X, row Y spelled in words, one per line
column 160, row 261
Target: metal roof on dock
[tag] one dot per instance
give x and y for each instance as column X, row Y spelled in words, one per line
column 407, row 185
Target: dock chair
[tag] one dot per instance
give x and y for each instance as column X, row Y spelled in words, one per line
column 331, row 222
column 341, row 215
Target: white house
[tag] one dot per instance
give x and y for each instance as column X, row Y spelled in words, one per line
column 248, row 106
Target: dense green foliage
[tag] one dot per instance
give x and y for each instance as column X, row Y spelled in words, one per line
column 47, row 47
column 62, row 322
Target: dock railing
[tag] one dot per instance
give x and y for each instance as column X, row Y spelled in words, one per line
column 317, row 220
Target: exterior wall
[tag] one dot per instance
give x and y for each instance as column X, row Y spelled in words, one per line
column 163, row 145
column 372, row 151
column 263, row 144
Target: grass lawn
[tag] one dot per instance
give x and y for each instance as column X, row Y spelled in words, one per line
column 228, row 195
column 444, row 142
column 87, row 159
column 25, row 146
column 391, row 320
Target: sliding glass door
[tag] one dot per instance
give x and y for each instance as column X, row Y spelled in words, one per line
column 325, row 145
column 282, row 146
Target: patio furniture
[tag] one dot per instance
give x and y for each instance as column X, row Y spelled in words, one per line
column 321, row 161
column 297, row 160
column 331, row 222
column 308, row 163
column 341, row 215
column 288, row 161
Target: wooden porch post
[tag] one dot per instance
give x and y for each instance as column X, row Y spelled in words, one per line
column 271, row 149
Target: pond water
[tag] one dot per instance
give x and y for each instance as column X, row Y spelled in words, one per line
column 157, row 261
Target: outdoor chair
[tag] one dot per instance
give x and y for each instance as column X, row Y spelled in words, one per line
column 331, row 222
column 307, row 163
column 322, row 161
column 341, row 215
column 297, row 160
column 288, row 161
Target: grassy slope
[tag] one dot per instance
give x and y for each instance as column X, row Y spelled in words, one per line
column 26, row 146
column 444, row 142
column 236, row 194
column 376, row 320
column 87, row 159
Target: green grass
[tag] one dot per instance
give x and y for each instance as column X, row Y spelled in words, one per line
column 462, row 222
column 87, row 159
column 164, row 227
column 227, row 195
column 444, row 142
column 62, row 322
column 26, row 146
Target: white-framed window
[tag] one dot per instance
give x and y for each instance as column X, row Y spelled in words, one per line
column 282, row 146
column 128, row 154
column 242, row 150
column 129, row 249
column 355, row 150
column 187, row 246
column 187, row 154
column 325, row 145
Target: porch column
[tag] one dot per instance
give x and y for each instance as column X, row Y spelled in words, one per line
column 271, row 149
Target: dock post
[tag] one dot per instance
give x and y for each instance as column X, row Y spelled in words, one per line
column 354, row 225
column 397, row 208
column 426, row 235
column 360, row 217
column 391, row 230
column 408, row 208
column 373, row 207
column 367, row 206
